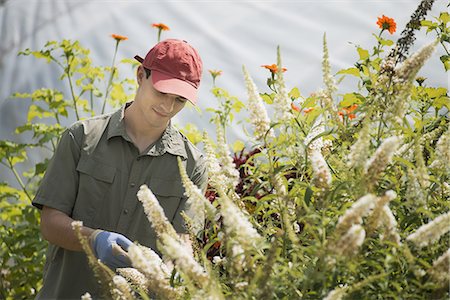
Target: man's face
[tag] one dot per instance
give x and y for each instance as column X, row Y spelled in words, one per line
column 157, row 108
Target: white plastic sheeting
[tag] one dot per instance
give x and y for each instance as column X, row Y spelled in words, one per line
column 227, row 34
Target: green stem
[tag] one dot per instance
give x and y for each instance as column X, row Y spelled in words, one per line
column 380, row 129
column 110, row 77
column 91, row 96
column 19, row 180
column 57, row 118
column 53, row 145
column 159, row 34
column 74, row 98
column 441, row 42
column 379, row 44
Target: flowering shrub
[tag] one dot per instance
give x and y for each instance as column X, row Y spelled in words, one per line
column 338, row 196
column 334, row 196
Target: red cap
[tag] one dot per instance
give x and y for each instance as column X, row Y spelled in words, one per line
column 176, row 68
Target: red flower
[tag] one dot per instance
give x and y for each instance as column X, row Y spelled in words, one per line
column 161, row 26
column 308, row 109
column 118, row 37
column 273, row 68
column 295, row 107
column 386, row 23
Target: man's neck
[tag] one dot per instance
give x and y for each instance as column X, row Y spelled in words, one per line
column 141, row 135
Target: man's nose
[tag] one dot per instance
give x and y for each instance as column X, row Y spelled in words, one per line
column 168, row 104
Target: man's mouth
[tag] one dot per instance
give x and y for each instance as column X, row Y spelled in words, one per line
column 161, row 114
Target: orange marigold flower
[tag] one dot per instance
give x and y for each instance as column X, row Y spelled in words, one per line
column 386, row 23
column 351, row 108
column 295, row 107
column 347, row 111
column 308, row 109
column 160, row 26
column 119, row 37
column 273, row 68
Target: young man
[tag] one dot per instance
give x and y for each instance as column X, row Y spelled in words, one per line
column 100, row 164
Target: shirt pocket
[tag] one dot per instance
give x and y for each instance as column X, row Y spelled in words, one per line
column 169, row 194
column 95, row 181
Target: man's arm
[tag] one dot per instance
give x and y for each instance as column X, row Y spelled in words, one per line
column 110, row 247
column 56, row 227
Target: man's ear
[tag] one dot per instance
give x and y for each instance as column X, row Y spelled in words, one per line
column 140, row 74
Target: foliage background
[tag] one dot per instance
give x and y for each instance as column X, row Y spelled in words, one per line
column 19, row 242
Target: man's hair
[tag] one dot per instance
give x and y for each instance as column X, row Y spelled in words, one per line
column 147, row 72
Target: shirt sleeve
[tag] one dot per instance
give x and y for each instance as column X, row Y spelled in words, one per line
column 59, row 186
column 200, row 179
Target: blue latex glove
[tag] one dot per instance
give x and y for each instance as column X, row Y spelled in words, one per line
column 110, row 248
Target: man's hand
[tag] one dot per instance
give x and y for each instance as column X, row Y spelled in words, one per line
column 110, row 248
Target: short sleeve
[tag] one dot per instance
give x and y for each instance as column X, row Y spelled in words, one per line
column 59, row 186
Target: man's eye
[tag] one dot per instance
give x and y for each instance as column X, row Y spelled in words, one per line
column 182, row 100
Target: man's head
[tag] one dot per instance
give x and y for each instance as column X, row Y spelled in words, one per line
column 176, row 68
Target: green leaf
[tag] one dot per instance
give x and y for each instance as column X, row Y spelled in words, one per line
column 312, row 115
column 350, row 71
column 192, row 133
column 363, row 54
column 37, row 111
column 444, row 17
column 41, row 167
column 294, row 93
column 267, row 98
column 309, row 102
column 19, row 157
column 436, row 92
column 446, row 61
column 404, row 162
column 40, row 54
column 429, row 25
column 308, row 195
column 7, row 191
column 238, row 146
column 237, row 106
column 386, row 42
column 442, row 101
column 117, row 92
column 351, row 98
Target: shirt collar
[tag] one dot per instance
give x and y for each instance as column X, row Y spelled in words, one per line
column 171, row 140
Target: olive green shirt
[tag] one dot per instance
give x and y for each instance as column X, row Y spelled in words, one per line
column 94, row 177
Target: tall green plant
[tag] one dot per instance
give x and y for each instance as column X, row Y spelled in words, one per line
column 22, row 255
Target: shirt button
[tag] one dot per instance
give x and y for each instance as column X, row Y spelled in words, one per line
column 139, row 158
column 125, row 211
column 132, row 184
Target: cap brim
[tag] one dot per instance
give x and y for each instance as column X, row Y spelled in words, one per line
column 139, row 59
column 170, row 85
